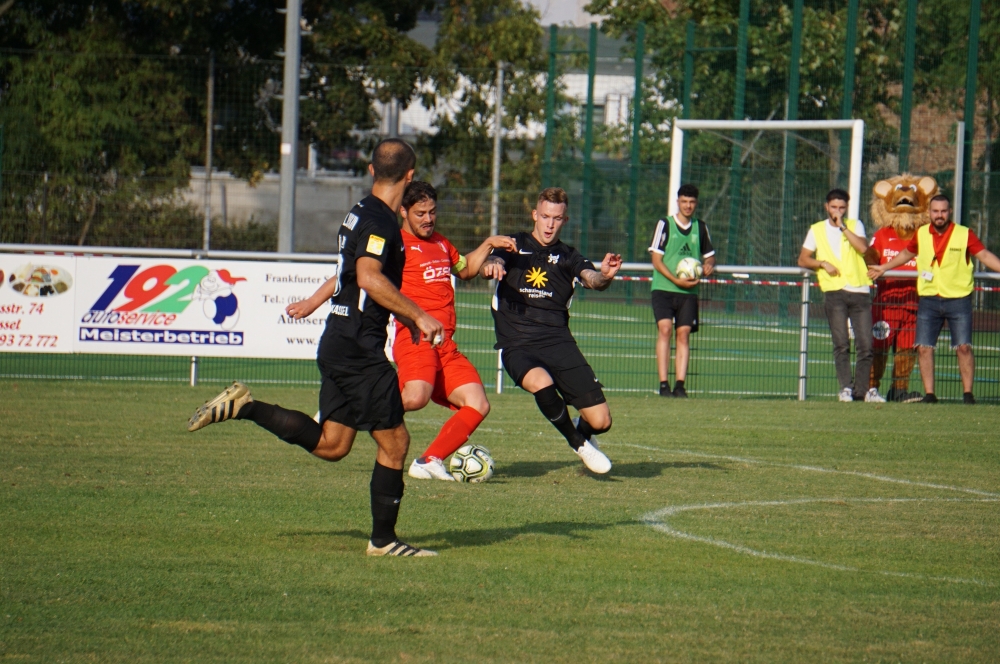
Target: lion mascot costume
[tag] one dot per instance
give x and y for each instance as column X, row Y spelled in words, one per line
column 899, row 207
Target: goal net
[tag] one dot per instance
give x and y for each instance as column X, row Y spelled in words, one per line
column 763, row 182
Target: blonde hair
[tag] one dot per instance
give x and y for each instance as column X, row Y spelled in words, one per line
column 555, row 195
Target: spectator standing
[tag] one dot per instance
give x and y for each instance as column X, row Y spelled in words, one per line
column 835, row 249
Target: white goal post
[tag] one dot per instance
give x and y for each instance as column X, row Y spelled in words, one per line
column 857, row 128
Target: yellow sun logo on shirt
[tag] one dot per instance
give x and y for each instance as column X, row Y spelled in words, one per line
column 536, row 277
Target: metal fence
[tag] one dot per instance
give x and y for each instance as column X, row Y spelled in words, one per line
column 763, row 334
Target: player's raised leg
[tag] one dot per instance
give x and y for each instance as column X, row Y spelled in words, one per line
column 540, row 384
column 236, row 402
column 472, row 408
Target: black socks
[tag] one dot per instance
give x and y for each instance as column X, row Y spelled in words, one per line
column 387, row 492
column 291, row 426
column 554, row 408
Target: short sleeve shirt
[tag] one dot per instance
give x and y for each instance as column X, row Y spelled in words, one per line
column 531, row 305
column 833, row 236
column 888, row 245
column 370, row 230
column 661, row 235
column 427, row 277
column 941, row 242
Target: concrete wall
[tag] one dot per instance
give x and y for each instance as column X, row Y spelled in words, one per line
column 321, row 203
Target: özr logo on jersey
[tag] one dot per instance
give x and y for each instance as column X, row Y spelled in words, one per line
column 432, row 273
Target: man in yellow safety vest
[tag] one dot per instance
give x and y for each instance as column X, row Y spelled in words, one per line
column 944, row 253
column 835, row 249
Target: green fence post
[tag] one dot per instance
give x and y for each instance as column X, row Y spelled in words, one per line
column 847, row 105
column 906, row 109
column 688, row 69
column 550, row 108
column 970, row 103
column 736, row 183
column 633, row 191
column 791, row 113
column 633, row 194
column 588, row 141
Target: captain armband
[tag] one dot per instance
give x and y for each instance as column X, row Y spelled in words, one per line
column 460, row 265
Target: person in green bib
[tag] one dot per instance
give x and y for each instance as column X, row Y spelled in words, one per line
column 675, row 299
column 835, row 249
column 944, row 253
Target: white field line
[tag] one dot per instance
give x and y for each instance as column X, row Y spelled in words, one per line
column 657, row 520
column 815, row 469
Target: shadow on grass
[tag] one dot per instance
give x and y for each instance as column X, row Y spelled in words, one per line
column 637, row 469
column 459, row 539
column 647, row 469
column 532, row 468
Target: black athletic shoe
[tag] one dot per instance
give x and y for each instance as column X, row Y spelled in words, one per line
column 911, row 397
column 665, row 392
column 894, row 395
column 929, row 398
column 968, row 399
column 680, row 392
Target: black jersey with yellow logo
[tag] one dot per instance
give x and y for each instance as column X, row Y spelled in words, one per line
column 370, row 230
column 531, row 305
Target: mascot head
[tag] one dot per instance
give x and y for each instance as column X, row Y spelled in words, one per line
column 901, row 202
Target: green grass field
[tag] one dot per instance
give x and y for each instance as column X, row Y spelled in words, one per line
column 755, row 530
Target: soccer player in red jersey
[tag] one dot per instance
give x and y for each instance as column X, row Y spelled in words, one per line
column 894, row 316
column 440, row 374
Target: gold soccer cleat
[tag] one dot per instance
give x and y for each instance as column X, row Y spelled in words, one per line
column 398, row 548
column 223, row 407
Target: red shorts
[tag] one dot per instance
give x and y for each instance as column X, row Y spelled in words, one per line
column 894, row 324
column 443, row 367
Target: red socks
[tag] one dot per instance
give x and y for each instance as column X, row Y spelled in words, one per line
column 454, row 433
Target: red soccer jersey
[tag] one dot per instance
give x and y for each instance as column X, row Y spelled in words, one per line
column 427, row 277
column 888, row 245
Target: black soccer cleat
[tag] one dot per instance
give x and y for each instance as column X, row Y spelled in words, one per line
column 929, row 398
column 968, row 399
column 680, row 392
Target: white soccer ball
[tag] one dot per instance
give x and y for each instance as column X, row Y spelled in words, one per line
column 471, row 463
column 689, row 268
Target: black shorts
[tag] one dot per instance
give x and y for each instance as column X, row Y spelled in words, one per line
column 573, row 377
column 362, row 393
column 681, row 308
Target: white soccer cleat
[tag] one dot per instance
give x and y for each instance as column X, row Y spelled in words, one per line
column 432, row 470
column 594, row 459
column 872, row 396
column 397, row 548
column 846, row 395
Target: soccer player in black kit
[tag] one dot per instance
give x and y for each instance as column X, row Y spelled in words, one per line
column 531, row 316
column 360, row 390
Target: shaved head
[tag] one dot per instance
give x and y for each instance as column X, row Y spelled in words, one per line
column 392, row 159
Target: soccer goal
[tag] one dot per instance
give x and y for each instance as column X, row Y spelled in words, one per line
column 856, row 127
column 764, row 182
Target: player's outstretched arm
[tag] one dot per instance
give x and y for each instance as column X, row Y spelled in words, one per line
column 601, row 280
column 662, row 268
column 380, row 289
column 493, row 268
column 474, row 260
column 305, row 307
column 876, row 271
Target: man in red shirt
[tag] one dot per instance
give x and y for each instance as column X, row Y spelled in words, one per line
column 440, row 374
column 894, row 316
column 944, row 253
